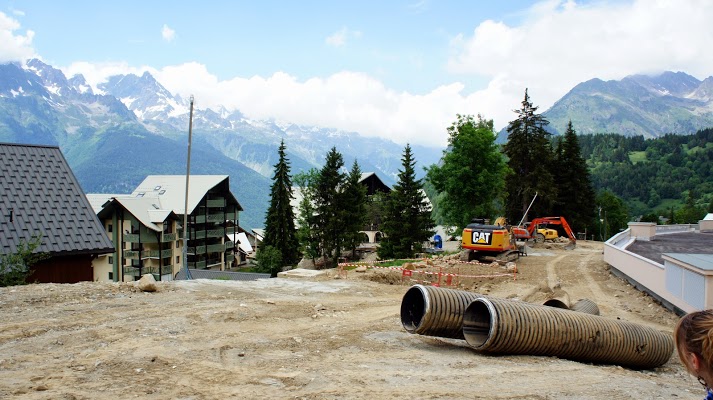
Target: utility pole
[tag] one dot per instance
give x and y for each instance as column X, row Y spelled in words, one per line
column 185, row 204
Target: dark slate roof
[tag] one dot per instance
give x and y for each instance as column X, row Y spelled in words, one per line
column 222, row 275
column 39, row 194
column 685, row 242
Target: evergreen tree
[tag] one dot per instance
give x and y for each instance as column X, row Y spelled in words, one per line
column 530, row 160
column 408, row 220
column 354, row 195
column 280, row 230
column 575, row 196
column 16, row 267
column 468, row 186
column 307, row 230
column 612, row 214
column 329, row 206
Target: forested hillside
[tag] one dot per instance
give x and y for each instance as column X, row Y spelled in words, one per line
column 656, row 176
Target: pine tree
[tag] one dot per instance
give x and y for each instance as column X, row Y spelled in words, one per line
column 468, row 186
column 329, row 206
column 280, row 230
column 307, row 230
column 354, row 195
column 530, row 160
column 408, row 220
column 575, row 195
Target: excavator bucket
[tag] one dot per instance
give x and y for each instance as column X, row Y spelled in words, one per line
column 571, row 245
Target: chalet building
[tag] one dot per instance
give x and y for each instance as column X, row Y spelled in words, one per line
column 40, row 196
column 375, row 187
column 145, row 227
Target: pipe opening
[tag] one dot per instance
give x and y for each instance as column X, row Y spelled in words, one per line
column 413, row 308
column 477, row 323
column 556, row 303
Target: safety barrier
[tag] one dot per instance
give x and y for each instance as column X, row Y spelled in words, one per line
column 440, row 277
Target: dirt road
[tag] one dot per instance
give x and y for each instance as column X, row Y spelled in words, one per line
column 306, row 339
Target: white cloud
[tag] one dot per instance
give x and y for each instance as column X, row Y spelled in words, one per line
column 558, row 45
column 167, row 33
column 14, row 47
column 18, row 13
column 339, row 38
column 561, row 43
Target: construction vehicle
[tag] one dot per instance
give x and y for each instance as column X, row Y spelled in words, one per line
column 535, row 231
column 487, row 243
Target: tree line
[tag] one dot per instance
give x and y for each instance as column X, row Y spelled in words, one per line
column 597, row 182
column 669, row 176
column 333, row 209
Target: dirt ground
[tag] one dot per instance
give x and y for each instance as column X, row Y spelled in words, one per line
column 321, row 338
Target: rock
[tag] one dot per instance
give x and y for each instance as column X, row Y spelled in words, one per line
column 408, row 266
column 511, row 267
column 361, row 268
column 147, row 283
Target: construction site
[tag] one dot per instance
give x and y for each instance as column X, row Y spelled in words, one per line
column 330, row 334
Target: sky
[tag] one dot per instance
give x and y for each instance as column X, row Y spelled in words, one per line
column 399, row 69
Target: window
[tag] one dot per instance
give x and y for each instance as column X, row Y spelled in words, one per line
column 177, row 243
column 109, row 228
column 111, row 276
column 110, row 260
column 178, row 259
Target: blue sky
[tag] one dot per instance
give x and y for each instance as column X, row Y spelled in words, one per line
column 398, row 69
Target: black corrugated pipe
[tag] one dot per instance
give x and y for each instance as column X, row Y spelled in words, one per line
column 585, row 306
column 509, row 327
column 433, row 311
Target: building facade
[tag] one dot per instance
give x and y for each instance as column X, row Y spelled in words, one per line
column 146, row 228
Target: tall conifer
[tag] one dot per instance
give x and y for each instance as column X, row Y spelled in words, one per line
column 408, row 220
column 575, row 195
column 329, row 206
column 531, row 163
column 280, row 230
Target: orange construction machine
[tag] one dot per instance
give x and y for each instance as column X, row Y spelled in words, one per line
column 537, row 230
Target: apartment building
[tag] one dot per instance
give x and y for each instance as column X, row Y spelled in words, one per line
column 146, row 227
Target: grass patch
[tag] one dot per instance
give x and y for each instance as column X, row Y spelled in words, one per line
column 637, row 156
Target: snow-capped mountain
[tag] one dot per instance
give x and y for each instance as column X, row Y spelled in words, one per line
column 254, row 142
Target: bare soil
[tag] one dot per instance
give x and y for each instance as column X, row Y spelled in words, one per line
column 325, row 338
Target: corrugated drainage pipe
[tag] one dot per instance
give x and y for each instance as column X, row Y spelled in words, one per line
column 508, row 327
column 433, row 311
column 585, row 306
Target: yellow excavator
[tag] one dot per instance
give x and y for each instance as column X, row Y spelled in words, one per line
column 487, row 242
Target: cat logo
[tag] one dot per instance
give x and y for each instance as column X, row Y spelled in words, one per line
column 482, row 237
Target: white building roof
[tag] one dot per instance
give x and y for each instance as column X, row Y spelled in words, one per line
column 171, row 190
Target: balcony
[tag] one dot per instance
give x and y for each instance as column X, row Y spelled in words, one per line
column 212, row 233
column 155, row 254
column 131, row 254
column 148, row 237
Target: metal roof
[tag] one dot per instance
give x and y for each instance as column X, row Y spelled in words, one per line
column 97, row 200
column 222, row 275
column 146, row 210
column 171, row 190
column 39, row 194
column 700, row 261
